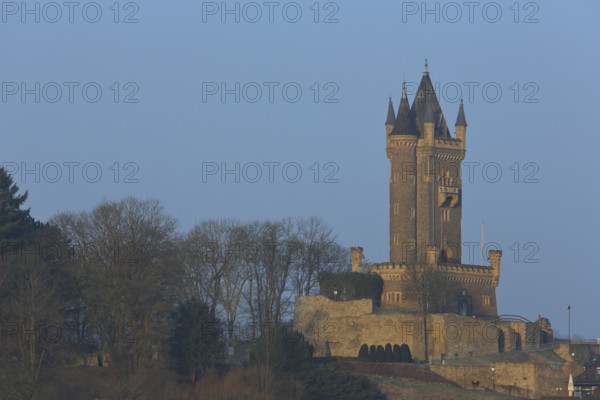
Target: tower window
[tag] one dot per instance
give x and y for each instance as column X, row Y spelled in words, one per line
column 398, row 297
column 396, row 208
column 447, row 180
column 412, row 213
column 396, row 239
column 486, row 300
column 446, row 214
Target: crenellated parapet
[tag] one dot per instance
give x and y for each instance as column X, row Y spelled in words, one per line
column 466, row 268
column 466, row 273
column 380, row 267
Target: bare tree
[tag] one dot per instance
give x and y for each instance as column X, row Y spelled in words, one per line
column 275, row 252
column 233, row 281
column 32, row 308
column 257, row 268
column 211, row 252
column 34, row 318
column 124, row 259
column 426, row 286
column 317, row 251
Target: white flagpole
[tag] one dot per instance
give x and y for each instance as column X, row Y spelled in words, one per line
column 482, row 242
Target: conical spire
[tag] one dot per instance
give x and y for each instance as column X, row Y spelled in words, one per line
column 428, row 116
column 426, row 95
column 391, row 115
column 405, row 124
column 460, row 119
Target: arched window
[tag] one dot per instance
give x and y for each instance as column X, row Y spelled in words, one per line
column 500, row 341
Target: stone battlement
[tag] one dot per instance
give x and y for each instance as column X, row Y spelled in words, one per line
column 466, row 268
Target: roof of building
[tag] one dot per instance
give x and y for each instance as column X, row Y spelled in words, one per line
column 460, row 118
column 404, row 124
column 426, row 97
column 591, row 376
column 391, row 118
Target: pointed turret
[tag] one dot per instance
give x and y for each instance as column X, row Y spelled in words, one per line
column 426, row 94
column 461, row 125
column 391, row 118
column 405, row 124
column 460, row 119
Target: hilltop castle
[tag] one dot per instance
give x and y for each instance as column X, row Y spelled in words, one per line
column 425, row 233
column 426, row 207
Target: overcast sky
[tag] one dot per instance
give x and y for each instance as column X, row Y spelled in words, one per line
column 162, row 104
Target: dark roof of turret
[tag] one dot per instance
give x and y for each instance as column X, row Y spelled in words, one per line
column 426, row 95
column 405, row 124
column 460, row 119
column 391, row 115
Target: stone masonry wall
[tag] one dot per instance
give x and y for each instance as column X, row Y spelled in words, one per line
column 349, row 324
column 531, row 379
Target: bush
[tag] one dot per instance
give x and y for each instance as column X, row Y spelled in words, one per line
column 372, row 353
column 351, row 286
column 363, row 353
column 405, row 355
column 389, row 357
column 396, row 353
column 287, row 350
column 380, row 354
column 329, row 383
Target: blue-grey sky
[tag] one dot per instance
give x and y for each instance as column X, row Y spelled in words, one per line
column 171, row 124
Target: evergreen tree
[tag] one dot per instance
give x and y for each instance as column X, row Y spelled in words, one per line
column 389, row 357
column 15, row 223
column 196, row 339
column 373, row 353
column 405, row 355
column 282, row 350
column 396, row 353
column 380, row 354
column 363, row 353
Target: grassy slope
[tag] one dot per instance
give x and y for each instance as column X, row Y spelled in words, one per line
column 411, row 382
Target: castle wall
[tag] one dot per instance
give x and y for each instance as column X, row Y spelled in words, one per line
column 349, row 324
column 515, row 379
column 483, row 296
column 476, row 280
column 532, row 379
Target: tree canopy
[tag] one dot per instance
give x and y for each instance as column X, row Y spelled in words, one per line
column 16, row 223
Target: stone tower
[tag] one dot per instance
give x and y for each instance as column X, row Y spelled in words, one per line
column 425, row 179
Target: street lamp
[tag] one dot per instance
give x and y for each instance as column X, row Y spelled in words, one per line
column 335, row 292
column 569, row 313
column 493, row 379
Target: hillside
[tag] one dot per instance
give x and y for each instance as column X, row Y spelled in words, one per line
column 412, row 382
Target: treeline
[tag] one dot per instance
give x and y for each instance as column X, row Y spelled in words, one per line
column 117, row 284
